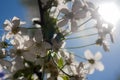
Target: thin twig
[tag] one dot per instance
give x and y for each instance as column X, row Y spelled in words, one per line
column 85, row 22
column 60, row 68
column 81, row 36
column 79, row 46
column 84, row 29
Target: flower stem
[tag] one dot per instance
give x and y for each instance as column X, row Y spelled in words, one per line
column 81, row 36
column 60, row 68
column 84, row 29
column 80, row 46
column 77, row 55
column 85, row 22
column 63, row 65
column 80, row 56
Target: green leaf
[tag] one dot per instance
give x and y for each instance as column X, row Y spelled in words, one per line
column 60, row 63
column 65, row 77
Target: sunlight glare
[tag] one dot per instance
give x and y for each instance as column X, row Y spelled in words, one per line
column 109, row 12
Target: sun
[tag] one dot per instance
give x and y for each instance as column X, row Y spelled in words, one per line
column 109, row 12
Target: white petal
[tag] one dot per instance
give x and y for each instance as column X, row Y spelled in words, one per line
column 98, row 56
column 31, row 42
column 73, row 25
column 80, row 14
column 9, row 35
column 13, row 42
column 43, row 53
column 7, row 25
column 91, row 5
column 63, row 22
column 91, row 70
column 77, row 5
column 46, row 45
column 64, row 11
column 87, row 65
column 73, row 68
column 19, row 38
column 22, row 23
column 3, row 37
column 7, row 22
column 88, row 54
column 15, row 18
column 29, row 56
column 99, row 66
column 16, row 21
column 35, row 19
column 38, row 36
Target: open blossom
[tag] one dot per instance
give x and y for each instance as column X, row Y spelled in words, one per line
column 104, row 29
column 79, row 72
column 36, row 47
column 12, row 27
column 72, row 15
column 93, row 61
column 102, row 42
column 14, row 30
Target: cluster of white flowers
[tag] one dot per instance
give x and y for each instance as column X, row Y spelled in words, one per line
column 38, row 52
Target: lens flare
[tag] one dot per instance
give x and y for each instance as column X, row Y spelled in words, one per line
column 109, row 12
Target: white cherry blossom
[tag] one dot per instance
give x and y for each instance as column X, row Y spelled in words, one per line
column 15, row 31
column 72, row 15
column 13, row 27
column 93, row 61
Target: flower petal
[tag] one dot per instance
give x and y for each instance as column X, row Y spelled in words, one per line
column 91, row 5
column 9, row 35
column 105, row 46
column 91, row 70
column 73, row 25
column 63, row 22
column 16, row 21
column 29, row 56
column 7, row 25
column 46, row 45
column 22, row 23
column 99, row 66
column 88, row 54
column 80, row 14
column 6, row 63
column 38, row 36
column 64, row 11
column 77, row 5
column 98, row 56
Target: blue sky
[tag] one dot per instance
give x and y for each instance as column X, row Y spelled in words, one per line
column 11, row 8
